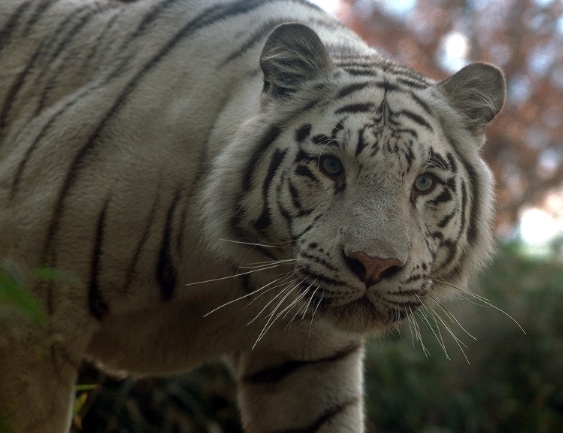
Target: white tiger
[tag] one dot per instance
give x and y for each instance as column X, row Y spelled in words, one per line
column 240, row 177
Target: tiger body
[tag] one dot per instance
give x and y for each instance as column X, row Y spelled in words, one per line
column 171, row 157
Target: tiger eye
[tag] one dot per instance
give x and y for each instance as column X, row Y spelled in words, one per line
column 425, row 183
column 331, row 166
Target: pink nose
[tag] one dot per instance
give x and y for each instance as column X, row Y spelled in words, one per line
column 372, row 270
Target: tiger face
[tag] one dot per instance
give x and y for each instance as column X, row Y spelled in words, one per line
column 363, row 178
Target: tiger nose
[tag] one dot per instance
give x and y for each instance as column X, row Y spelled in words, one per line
column 371, row 270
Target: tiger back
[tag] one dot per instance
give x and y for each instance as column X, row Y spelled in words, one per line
column 244, row 178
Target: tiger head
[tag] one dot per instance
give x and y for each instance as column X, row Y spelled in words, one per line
column 358, row 183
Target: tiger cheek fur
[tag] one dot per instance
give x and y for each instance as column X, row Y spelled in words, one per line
column 246, row 178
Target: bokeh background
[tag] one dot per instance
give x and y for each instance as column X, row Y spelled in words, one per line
column 496, row 378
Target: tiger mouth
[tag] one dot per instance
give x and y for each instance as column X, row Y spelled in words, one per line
column 382, row 311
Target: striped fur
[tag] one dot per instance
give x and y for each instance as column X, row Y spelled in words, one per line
column 243, row 177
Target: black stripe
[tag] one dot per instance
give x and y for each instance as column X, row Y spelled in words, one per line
column 286, row 215
column 474, row 210
column 36, row 15
column 321, row 278
column 323, row 140
column 437, row 160
column 247, row 287
column 295, row 237
column 443, row 197
column 326, row 417
column 165, row 270
column 412, row 83
column 408, row 131
column 320, row 261
column 96, row 302
column 12, row 24
column 421, row 103
column 444, row 221
column 356, row 108
column 56, row 72
column 20, row 80
column 400, row 71
column 362, row 144
column 304, row 156
column 464, row 204
column 452, row 162
column 388, row 86
column 242, row 233
column 137, row 254
column 352, row 61
column 152, row 16
column 265, row 220
column 21, row 166
column 103, row 33
column 407, row 152
column 279, row 372
column 303, row 170
column 72, row 31
column 269, row 137
column 451, row 246
column 416, row 118
column 294, row 193
column 360, row 72
column 17, row 83
column 339, row 127
column 352, row 88
column 303, row 132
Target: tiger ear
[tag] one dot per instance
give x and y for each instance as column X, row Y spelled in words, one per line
column 292, row 55
column 477, row 92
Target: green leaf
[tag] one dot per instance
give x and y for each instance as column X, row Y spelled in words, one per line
column 13, row 293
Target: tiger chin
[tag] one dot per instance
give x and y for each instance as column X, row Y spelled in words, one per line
column 241, row 178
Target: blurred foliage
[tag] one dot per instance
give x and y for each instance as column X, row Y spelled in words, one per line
column 14, row 295
column 202, row 401
column 510, row 381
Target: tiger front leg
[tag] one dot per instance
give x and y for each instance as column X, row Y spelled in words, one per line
column 279, row 393
column 37, row 377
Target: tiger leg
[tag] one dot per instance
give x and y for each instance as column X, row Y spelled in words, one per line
column 38, row 371
column 280, row 394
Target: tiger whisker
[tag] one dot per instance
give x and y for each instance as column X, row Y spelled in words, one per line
column 306, row 307
column 258, row 265
column 233, row 276
column 287, row 310
column 418, row 334
column 287, row 277
column 459, row 342
column 435, row 330
column 271, row 320
column 254, row 292
column 484, row 301
column 287, row 288
column 290, row 306
column 315, row 310
column 452, row 317
column 280, row 303
column 254, row 244
column 302, row 308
